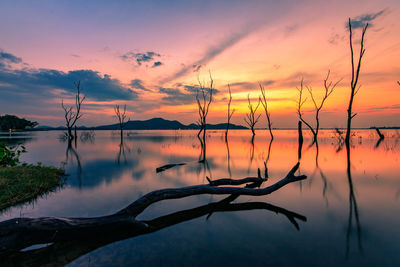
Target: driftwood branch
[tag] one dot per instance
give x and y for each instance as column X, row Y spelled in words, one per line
column 61, row 252
column 19, row 233
column 142, row 203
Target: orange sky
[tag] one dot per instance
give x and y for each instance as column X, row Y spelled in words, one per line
column 239, row 43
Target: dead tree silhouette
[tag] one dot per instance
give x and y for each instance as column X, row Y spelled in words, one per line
column 329, row 87
column 251, row 118
column 121, row 116
column 230, row 113
column 71, row 116
column 355, row 73
column 203, row 104
column 264, row 102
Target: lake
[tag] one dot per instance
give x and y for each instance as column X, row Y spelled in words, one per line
column 350, row 221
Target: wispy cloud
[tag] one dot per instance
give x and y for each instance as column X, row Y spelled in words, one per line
column 250, row 85
column 181, row 94
column 140, row 58
column 196, row 67
column 138, row 84
column 157, row 64
column 7, row 57
column 361, row 21
column 213, row 52
column 377, row 109
column 293, row 80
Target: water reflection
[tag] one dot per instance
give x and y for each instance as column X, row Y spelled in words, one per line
column 318, row 169
column 121, row 153
column 353, row 208
column 68, row 161
column 251, row 154
column 63, row 252
column 228, row 156
column 106, row 174
column 203, row 158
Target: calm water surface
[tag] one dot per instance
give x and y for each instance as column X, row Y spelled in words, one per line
column 350, row 220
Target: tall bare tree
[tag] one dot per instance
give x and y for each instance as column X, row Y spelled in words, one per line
column 267, row 113
column 329, row 87
column 251, row 119
column 355, row 73
column 230, row 113
column 71, row 115
column 300, row 104
column 121, row 116
column 203, row 104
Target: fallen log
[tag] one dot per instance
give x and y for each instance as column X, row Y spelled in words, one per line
column 168, row 166
column 78, row 236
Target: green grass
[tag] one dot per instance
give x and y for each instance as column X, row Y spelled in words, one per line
column 25, row 183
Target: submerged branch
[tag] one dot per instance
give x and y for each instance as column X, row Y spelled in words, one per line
column 19, row 233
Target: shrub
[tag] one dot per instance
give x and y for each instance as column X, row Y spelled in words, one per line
column 9, row 156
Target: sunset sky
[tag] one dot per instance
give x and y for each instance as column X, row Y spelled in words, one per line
column 149, row 55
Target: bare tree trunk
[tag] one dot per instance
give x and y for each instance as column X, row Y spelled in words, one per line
column 70, row 135
column 381, row 136
column 230, row 113
column 300, row 147
column 264, row 102
column 203, row 105
column 355, row 72
column 121, row 116
column 71, row 116
column 251, row 119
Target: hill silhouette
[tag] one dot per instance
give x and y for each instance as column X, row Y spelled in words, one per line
column 151, row 124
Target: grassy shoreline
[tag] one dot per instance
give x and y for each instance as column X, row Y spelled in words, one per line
column 25, row 183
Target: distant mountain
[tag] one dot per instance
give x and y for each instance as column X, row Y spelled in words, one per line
column 222, row 126
column 152, row 124
column 162, row 124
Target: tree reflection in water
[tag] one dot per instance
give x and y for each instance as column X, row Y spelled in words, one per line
column 353, row 208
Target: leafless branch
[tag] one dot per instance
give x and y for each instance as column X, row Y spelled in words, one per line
column 264, row 102
column 329, row 87
column 71, row 116
column 300, row 103
column 251, row 119
column 121, row 116
column 203, row 103
column 230, row 112
column 355, row 73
